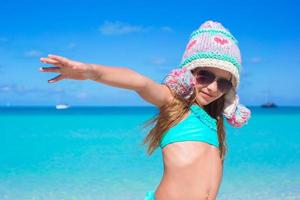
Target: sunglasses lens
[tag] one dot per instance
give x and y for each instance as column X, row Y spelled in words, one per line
column 224, row 85
column 205, row 77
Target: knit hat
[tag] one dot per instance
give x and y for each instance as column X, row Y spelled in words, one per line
column 211, row 45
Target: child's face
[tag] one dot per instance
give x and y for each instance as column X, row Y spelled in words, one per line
column 208, row 93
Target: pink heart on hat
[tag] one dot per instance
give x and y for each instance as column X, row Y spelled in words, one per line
column 221, row 41
column 192, row 43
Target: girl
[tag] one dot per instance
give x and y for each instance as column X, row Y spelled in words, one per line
column 192, row 101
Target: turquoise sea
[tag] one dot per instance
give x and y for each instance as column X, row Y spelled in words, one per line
column 95, row 153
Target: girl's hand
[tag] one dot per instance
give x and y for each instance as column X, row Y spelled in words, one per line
column 67, row 68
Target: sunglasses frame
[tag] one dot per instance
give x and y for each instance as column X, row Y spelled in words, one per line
column 216, row 78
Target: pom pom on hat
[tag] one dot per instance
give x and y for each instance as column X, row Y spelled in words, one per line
column 181, row 81
column 240, row 117
column 235, row 113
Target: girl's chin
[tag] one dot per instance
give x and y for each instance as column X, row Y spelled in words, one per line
column 204, row 101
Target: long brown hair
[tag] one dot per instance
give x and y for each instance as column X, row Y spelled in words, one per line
column 170, row 114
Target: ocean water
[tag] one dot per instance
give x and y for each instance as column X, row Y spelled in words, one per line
column 96, row 153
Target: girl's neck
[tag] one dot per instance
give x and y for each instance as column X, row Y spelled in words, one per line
column 198, row 103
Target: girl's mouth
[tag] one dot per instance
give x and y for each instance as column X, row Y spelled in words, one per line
column 207, row 95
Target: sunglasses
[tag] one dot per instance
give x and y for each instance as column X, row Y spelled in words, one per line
column 206, row 77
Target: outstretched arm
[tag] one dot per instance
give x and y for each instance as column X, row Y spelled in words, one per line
column 157, row 94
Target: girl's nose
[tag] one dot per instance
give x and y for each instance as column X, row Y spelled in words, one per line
column 213, row 86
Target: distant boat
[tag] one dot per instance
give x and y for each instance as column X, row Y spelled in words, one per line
column 268, row 104
column 62, row 106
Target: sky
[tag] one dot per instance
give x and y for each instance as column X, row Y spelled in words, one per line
column 148, row 37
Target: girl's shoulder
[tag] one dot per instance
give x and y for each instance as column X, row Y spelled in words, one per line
column 155, row 93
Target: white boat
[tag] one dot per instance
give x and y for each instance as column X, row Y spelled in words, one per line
column 62, row 106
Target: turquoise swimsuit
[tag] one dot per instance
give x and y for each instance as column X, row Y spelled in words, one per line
column 197, row 126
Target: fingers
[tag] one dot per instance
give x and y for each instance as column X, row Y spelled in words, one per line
column 49, row 60
column 60, row 59
column 55, row 79
column 50, row 69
